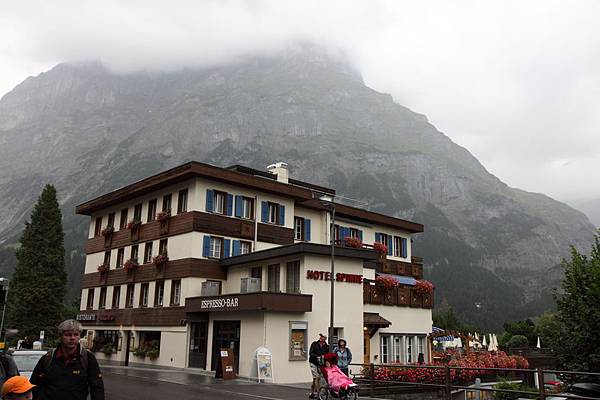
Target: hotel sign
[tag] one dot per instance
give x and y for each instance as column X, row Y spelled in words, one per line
column 340, row 276
column 86, row 317
column 223, row 303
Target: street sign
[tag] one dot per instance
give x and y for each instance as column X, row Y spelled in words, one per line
column 42, row 334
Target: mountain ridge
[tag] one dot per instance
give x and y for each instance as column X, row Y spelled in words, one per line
column 72, row 126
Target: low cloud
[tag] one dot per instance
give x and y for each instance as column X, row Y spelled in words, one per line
column 516, row 83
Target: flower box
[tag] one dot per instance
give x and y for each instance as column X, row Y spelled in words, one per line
column 160, row 260
column 163, row 216
column 353, row 242
column 386, row 282
column 103, row 268
column 108, row 231
column 131, row 265
column 424, row 287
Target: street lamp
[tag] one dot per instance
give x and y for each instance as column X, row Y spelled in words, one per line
column 4, row 284
column 329, row 200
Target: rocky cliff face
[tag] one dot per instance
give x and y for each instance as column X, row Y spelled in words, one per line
column 492, row 250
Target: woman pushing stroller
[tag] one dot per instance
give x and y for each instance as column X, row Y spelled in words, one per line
column 338, row 383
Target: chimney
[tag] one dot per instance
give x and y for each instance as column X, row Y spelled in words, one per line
column 279, row 169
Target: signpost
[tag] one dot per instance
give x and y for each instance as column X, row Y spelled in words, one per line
column 264, row 364
column 226, row 367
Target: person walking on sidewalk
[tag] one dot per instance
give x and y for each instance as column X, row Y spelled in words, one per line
column 318, row 349
column 70, row 371
column 17, row 388
column 344, row 356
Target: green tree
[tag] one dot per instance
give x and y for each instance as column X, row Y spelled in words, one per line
column 445, row 318
column 549, row 330
column 577, row 344
column 523, row 328
column 38, row 285
column 517, row 341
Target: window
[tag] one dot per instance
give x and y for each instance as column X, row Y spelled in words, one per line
column 159, row 293
column 273, row 278
column 182, row 201
column 216, row 246
column 111, row 220
column 244, row 207
column 120, row 257
column 293, row 277
column 137, row 212
column 123, row 219
column 162, row 246
column 409, row 349
column 219, row 202
column 273, row 213
column 354, row 233
column 397, row 353
column 130, row 295
column 385, row 346
column 135, row 250
column 90, row 299
column 166, row 203
column 148, row 253
column 144, row 290
column 245, row 247
column 420, row 347
column 336, row 233
column 102, row 303
column 298, row 228
column 98, row 227
column 256, row 272
column 175, row 292
column 116, row 297
column 386, row 239
column 298, row 342
column 107, row 258
column 103, row 338
column 400, row 247
column 151, row 210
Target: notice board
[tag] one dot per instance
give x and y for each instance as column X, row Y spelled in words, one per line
column 226, row 367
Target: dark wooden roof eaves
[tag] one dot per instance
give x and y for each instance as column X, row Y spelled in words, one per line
column 374, row 319
column 187, row 171
column 298, row 248
column 366, row 216
column 268, row 175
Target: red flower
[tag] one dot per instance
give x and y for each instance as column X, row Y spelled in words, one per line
column 102, row 268
column 107, row 231
column 134, row 224
column 160, row 260
column 130, row 265
column 423, row 287
column 353, row 242
column 163, row 216
column 380, row 248
column 386, row 281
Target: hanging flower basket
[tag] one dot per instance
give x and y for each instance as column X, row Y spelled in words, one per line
column 353, row 242
column 107, row 231
column 134, row 224
column 103, row 268
column 386, row 282
column 160, row 260
column 424, row 287
column 380, row 248
column 130, row 265
column 163, row 216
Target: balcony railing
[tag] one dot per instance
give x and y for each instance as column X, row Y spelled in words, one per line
column 403, row 296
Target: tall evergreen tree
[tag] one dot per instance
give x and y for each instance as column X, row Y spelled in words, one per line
column 38, row 285
column 578, row 315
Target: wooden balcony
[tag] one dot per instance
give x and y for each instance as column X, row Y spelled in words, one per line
column 402, row 296
column 394, row 267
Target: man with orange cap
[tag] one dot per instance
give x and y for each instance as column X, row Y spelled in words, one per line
column 17, row 388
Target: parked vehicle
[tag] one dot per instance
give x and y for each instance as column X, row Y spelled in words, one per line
column 579, row 389
column 26, row 360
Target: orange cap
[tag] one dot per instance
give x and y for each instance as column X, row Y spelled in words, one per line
column 17, row 385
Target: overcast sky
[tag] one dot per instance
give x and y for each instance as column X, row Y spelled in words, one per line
column 515, row 82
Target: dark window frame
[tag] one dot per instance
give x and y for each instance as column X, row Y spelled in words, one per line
column 130, row 295
column 167, row 201
column 151, row 215
column 182, row 200
column 102, row 298
column 123, row 218
column 172, row 295
column 148, row 252
column 89, row 305
column 98, row 226
column 299, row 222
column 116, row 295
column 157, row 285
column 120, row 257
column 144, row 292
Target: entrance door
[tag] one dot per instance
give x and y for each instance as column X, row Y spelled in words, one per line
column 198, row 342
column 367, row 347
column 226, row 334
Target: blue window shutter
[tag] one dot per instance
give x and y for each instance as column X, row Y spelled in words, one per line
column 377, row 237
column 226, row 246
column 404, row 247
column 343, row 232
column 264, row 215
column 307, row 229
column 281, row 215
column 229, row 204
column 239, row 206
column 360, row 235
column 209, row 200
column 206, row 247
column 236, row 248
column 390, row 244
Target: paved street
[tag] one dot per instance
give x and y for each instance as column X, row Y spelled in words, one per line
column 127, row 384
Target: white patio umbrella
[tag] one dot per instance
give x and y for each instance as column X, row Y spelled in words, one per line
column 496, row 342
column 459, row 342
column 484, row 341
column 476, row 336
column 539, row 344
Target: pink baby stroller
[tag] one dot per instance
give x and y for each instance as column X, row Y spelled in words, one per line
column 335, row 383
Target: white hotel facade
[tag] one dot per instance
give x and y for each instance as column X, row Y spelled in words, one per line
column 248, row 261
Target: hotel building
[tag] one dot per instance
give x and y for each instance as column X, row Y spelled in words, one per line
column 199, row 258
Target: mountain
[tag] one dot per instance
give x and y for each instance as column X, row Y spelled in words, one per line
column 493, row 251
column 591, row 208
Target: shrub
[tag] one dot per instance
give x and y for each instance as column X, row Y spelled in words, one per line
column 108, row 349
column 140, row 352
column 353, row 242
column 517, row 341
